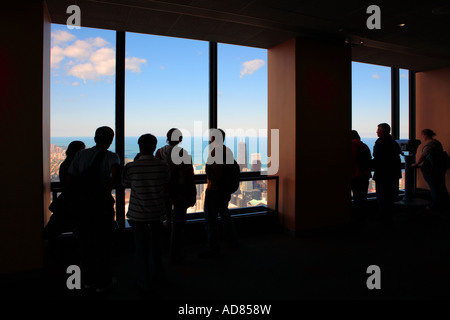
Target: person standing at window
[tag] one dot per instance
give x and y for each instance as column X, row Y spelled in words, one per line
column 433, row 166
column 387, row 171
column 148, row 178
column 216, row 196
column 361, row 173
column 182, row 190
column 93, row 174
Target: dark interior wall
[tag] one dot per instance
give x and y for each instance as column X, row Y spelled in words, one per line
column 281, row 117
column 24, row 133
column 310, row 103
column 323, row 127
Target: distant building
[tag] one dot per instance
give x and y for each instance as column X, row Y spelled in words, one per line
column 255, row 161
column 242, row 155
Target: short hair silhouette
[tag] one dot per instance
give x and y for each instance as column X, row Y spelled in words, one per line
column 385, row 127
column 214, row 133
column 104, row 136
column 74, row 147
column 174, row 136
column 428, row 133
column 355, row 135
column 147, row 143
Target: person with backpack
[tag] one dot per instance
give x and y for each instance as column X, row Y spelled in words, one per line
column 182, row 190
column 221, row 183
column 361, row 173
column 93, row 173
column 433, row 165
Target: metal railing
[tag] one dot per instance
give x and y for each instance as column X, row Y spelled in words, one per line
column 56, row 188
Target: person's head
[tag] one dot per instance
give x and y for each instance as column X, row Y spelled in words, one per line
column 74, row 147
column 355, row 135
column 383, row 129
column 428, row 134
column 104, row 137
column 217, row 136
column 174, row 136
column 147, row 144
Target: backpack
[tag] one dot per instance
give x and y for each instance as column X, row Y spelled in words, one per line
column 182, row 181
column 88, row 185
column 232, row 174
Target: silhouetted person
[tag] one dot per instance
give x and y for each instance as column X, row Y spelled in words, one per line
column 72, row 149
column 148, row 178
column 387, row 171
column 63, row 218
column 182, row 190
column 361, row 173
column 216, row 197
column 433, row 168
column 92, row 175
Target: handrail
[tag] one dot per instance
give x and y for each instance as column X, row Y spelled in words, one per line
column 201, row 179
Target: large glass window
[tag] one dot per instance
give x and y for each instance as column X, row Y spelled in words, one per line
column 404, row 104
column 82, row 87
column 166, row 86
column 242, row 113
column 371, row 102
column 242, row 103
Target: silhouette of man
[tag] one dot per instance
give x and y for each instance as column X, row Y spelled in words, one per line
column 361, row 173
column 182, row 189
column 148, row 178
column 216, row 198
column 387, row 167
column 93, row 174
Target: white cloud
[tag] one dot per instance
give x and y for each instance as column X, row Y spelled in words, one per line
column 249, row 67
column 98, row 42
column 134, row 64
column 376, row 76
column 89, row 59
column 57, row 55
column 61, row 36
column 83, row 71
column 104, row 60
column 80, row 50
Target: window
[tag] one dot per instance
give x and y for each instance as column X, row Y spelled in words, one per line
column 404, row 104
column 371, row 102
column 82, row 87
column 166, row 86
column 242, row 103
column 242, row 113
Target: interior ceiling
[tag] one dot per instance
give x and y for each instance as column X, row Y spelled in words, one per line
column 422, row 44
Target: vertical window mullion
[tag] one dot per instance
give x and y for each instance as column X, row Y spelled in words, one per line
column 395, row 103
column 120, row 122
column 212, row 85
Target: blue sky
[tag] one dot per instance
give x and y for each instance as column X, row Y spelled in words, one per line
column 167, row 85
